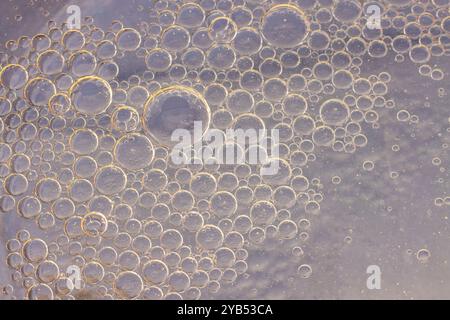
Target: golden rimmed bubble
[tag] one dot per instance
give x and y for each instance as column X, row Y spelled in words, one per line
column 90, row 95
column 174, row 107
column 14, row 76
column 94, row 224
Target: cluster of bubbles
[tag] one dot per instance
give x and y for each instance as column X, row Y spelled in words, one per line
column 85, row 150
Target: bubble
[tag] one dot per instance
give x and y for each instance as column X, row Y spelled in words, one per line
column 90, row 95
column 50, row 62
column 319, row 40
column 93, row 272
column 224, row 258
column 155, row 272
column 284, row 26
column 83, row 141
column 284, row 197
column 334, row 112
column 270, row 68
column 262, row 213
column 419, row 54
column 171, row 239
column 303, row 125
column 247, row 122
column 223, row 204
column 183, row 200
column 16, row 184
column 323, row 136
column 110, row 180
column 128, row 39
column 129, row 260
column 47, row 271
column 294, row 104
column 305, row 271
column 222, row 30
column 377, row 49
column 191, row 15
column 14, row 76
column 107, row 256
column 280, row 175
column 82, row 63
column 48, row 190
column 322, row 71
column 423, row 255
column 247, row 41
column 134, row 151
column 106, row 50
column 141, row 244
column 256, row 235
column 215, row 94
column 209, row 237
column 174, row 107
column 73, row 40
column 240, row 101
column 401, row 44
column 193, row 58
column 123, row 212
column 251, row 80
column 158, row 60
column 94, row 224
column 29, row 207
column 178, row 281
column 347, row 11
column 85, row 167
column 5, row 152
column 201, row 39
column 175, row 38
column 59, row 104
column 340, row 60
column 155, row 180
column 193, row 221
column 128, row 285
column 38, row 91
column 14, row 260
column 287, row 229
column 63, row 208
column 40, row 291
column 221, row 57
column 35, row 250
column 342, row 79
column 107, row 70
column 300, row 183
column 403, row 115
column 274, row 89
